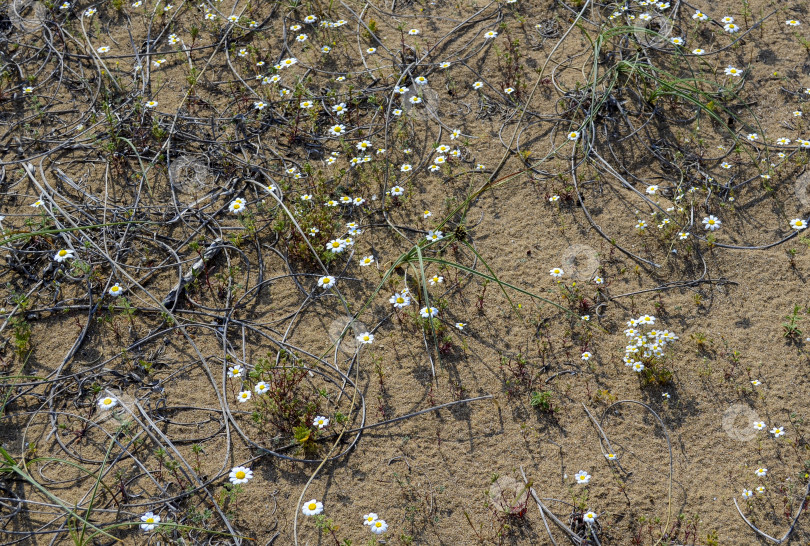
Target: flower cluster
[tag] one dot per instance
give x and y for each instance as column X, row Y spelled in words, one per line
column 645, row 347
column 777, row 431
column 238, row 475
column 375, row 524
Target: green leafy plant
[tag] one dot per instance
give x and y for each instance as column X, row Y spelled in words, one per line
column 306, row 436
column 542, row 400
column 791, row 325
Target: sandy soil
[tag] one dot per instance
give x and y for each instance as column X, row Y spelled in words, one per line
column 684, row 441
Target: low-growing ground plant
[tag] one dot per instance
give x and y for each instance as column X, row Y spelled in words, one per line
column 306, row 272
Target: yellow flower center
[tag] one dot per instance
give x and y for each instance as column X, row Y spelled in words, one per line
column 63, row 252
column 365, row 338
column 150, row 520
column 107, row 401
column 378, row 524
column 312, row 506
column 240, row 475
column 400, row 300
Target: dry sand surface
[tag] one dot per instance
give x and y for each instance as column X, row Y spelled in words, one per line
column 573, row 232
